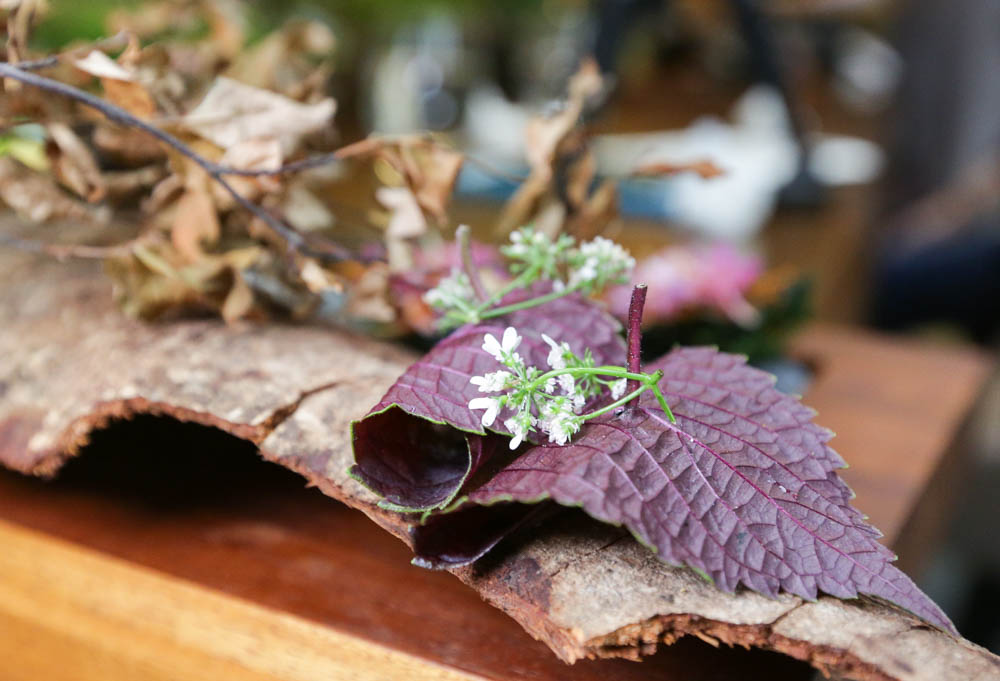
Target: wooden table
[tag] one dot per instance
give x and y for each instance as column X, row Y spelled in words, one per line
column 125, row 568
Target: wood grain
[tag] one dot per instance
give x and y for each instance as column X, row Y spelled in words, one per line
column 70, row 613
column 245, row 528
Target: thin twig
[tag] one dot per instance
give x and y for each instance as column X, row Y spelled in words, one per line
column 293, row 239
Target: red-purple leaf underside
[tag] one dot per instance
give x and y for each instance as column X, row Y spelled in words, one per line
column 742, row 487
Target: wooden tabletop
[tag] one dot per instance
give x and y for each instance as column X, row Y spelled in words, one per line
column 128, row 568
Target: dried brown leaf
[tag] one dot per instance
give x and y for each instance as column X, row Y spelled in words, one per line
column 228, row 25
column 285, row 61
column 522, row 203
column 96, row 63
column 37, row 198
column 546, row 138
column 232, row 112
column 74, row 165
column 127, row 146
column 433, row 186
column 239, row 301
column 22, row 14
column 579, row 177
column 305, row 211
column 316, row 278
column 368, row 298
column 165, row 191
column 255, row 154
column 119, row 82
column 195, row 221
column 406, row 220
column 428, row 168
column 597, row 213
column 121, row 184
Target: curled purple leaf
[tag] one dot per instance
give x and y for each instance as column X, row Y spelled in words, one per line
column 421, row 443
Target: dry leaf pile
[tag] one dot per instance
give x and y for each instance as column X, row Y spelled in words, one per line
column 256, row 107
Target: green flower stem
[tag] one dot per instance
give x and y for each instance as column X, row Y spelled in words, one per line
column 525, row 304
column 646, row 382
column 620, row 403
column 522, row 280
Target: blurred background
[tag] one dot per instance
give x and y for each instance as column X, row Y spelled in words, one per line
column 852, row 146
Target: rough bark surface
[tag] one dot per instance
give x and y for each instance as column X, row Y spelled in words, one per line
column 69, row 363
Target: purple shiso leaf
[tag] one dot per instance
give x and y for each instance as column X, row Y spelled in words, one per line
column 742, row 487
column 421, row 442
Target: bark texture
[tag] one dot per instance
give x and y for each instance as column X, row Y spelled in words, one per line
column 70, row 363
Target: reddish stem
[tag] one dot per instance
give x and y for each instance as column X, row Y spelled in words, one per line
column 633, row 337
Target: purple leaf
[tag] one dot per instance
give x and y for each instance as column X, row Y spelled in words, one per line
column 742, row 487
column 409, row 449
column 463, row 537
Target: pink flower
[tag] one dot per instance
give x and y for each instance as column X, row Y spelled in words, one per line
column 684, row 279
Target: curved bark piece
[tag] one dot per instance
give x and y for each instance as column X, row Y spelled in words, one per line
column 69, row 362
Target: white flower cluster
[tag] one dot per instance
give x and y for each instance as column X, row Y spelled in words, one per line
column 537, row 407
column 530, row 249
column 453, row 292
column 534, row 257
column 589, row 268
column 597, row 263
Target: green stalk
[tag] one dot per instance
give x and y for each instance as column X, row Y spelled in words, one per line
column 520, row 281
column 525, row 304
column 620, row 403
column 647, row 382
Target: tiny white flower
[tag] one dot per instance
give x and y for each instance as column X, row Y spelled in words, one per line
column 455, row 290
column 598, row 262
column 519, row 425
column 492, row 346
column 578, row 402
column 552, row 408
column 567, row 383
column 562, row 427
column 503, row 350
column 550, row 385
column 618, row 388
column 557, row 354
column 586, row 273
column 492, row 382
column 490, row 404
column 510, row 339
